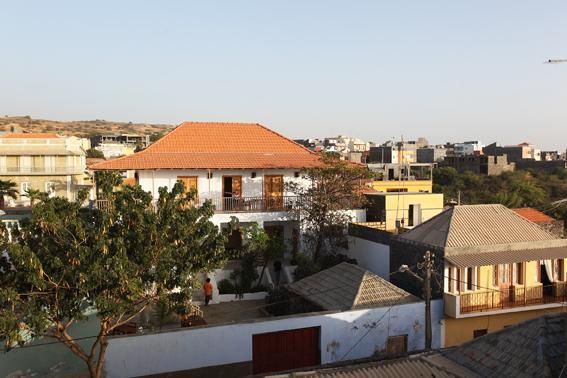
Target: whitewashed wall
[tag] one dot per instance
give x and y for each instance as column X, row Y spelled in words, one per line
column 151, row 181
column 370, row 255
column 186, row 349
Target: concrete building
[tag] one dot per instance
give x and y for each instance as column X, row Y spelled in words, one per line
column 432, row 154
column 479, row 164
column 132, row 140
column 496, row 268
column 515, row 153
column 44, row 161
column 114, row 150
column 473, row 147
column 402, row 210
column 414, row 177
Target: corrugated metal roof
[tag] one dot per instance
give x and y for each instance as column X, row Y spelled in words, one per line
column 407, row 367
column 534, row 348
column 506, row 257
column 346, row 286
column 491, row 224
column 475, row 235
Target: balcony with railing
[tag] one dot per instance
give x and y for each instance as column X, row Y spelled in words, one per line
column 66, row 170
column 514, row 299
column 239, row 204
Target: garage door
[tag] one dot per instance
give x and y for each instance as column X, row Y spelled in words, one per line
column 285, row 350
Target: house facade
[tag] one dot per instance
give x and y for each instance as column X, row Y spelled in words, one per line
column 243, row 169
column 43, row 161
column 494, row 268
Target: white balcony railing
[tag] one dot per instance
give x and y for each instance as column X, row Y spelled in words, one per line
column 240, row 204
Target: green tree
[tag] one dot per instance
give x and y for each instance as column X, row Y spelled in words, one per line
column 336, row 186
column 7, row 189
column 35, row 195
column 119, row 262
column 106, row 181
column 263, row 246
column 94, row 153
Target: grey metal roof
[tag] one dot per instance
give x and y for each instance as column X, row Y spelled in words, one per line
column 346, row 286
column 474, row 235
column 506, row 257
column 407, row 367
column 535, row 348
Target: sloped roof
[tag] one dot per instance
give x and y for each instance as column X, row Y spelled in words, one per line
column 533, row 215
column 473, row 235
column 422, row 365
column 346, row 287
column 534, row 348
column 30, row 136
column 215, row 145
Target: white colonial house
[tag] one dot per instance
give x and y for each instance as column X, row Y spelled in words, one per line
column 241, row 167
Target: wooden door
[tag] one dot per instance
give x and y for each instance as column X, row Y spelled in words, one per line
column 273, row 192
column 504, row 275
column 231, row 193
column 285, row 350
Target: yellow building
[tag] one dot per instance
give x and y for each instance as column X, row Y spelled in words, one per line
column 409, row 178
column 43, row 161
column 496, row 268
column 396, row 210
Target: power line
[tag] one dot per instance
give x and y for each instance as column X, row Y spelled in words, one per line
column 372, row 327
column 229, row 312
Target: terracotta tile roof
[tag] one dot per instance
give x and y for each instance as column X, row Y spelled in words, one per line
column 215, row 145
column 346, row 286
column 30, row 135
column 533, row 215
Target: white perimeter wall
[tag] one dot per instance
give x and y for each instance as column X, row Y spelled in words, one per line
column 370, row 255
column 218, row 345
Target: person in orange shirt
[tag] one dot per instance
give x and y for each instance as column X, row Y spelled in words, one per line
column 208, row 289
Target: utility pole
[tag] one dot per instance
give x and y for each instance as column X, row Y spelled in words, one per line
column 426, row 266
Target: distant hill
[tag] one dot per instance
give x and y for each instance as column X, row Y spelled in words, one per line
column 82, row 128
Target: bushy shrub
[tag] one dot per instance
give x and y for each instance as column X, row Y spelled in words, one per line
column 226, row 287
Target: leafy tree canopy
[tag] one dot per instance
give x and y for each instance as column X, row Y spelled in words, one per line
column 66, row 259
column 336, row 186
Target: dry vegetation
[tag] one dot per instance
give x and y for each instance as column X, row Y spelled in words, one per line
column 81, row 128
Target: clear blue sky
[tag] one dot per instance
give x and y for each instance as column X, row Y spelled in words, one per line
column 447, row 70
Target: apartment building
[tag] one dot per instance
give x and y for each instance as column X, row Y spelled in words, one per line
column 43, row 161
column 472, row 147
column 489, row 165
column 495, row 268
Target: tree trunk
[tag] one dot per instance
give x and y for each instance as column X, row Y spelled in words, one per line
column 318, row 247
column 2, row 203
column 261, row 274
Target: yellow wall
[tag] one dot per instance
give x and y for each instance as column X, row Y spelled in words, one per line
column 38, row 182
column 397, row 206
column 458, row 331
column 415, row 186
